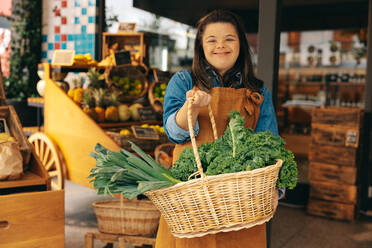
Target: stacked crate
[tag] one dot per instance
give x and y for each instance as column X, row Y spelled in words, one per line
column 334, row 158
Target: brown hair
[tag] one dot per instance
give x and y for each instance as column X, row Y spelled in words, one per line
column 200, row 66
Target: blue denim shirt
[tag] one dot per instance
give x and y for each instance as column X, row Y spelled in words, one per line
column 175, row 97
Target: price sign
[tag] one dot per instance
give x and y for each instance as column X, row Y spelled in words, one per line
column 63, row 57
column 352, row 138
column 127, row 27
column 3, row 126
column 145, row 133
column 147, row 114
column 122, row 58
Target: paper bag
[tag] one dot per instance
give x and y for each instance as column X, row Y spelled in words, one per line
column 11, row 162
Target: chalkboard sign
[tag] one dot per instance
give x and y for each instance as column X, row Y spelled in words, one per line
column 145, row 133
column 147, row 114
column 122, row 58
column 3, row 126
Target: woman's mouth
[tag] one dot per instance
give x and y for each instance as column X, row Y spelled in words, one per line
column 221, row 53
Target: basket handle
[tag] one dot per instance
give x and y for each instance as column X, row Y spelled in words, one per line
column 192, row 135
column 155, row 72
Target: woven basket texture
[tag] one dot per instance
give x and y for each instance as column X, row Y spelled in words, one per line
column 129, row 217
column 221, row 203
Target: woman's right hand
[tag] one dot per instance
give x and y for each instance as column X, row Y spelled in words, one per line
column 201, row 99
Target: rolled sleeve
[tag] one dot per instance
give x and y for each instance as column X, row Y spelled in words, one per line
column 177, row 134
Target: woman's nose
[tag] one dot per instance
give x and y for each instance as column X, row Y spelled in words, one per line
column 220, row 44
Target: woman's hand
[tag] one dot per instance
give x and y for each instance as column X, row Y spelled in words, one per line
column 201, row 99
column 276, row 199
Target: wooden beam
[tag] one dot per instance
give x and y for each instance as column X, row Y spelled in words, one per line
column 366, row 168
column 268, row 55
column 268, row 43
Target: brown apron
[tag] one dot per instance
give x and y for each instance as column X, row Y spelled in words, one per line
column 223, row 101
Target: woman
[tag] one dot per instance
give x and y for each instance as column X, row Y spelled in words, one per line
column 222, row 76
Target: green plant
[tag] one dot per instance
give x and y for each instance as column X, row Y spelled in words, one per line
column 26, row 49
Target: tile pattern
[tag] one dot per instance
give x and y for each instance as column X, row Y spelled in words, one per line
column 69, row 24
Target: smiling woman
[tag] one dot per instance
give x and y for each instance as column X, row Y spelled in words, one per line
column 221, row 79
column 221, row 46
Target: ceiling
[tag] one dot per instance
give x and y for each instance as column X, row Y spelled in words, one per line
column 297, row 15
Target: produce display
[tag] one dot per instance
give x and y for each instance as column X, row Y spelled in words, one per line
column 102, row 104
column 239, row 149
column 84, row 60
column 6, row 137
column 128, row 86
column 159, row 91
column 159, row 129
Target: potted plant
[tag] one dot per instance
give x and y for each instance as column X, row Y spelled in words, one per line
column 25, row 56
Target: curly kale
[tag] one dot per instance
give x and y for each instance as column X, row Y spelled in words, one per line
column 239, row 149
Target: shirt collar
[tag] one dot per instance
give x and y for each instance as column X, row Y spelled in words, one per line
column 216, row 81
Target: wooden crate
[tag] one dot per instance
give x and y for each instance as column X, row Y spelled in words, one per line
column 15, row 128
column 133, row 42
column 31, row 214
column 332, row 173
column 332, row 210
column 334, row 135
column 350, row 117
column 333, row 192
column 346, row 156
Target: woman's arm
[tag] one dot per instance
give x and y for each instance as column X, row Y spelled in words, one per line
column 175, row 108
column 201, row 99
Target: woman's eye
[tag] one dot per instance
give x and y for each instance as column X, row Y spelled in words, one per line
column 211, row 41
column 230, row 39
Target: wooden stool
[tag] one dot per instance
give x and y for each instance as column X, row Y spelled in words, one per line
column 110, row 238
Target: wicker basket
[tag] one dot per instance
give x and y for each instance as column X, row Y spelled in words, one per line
column 159, row 77
column 132, row 72
column 221, row 203
column 127, row 217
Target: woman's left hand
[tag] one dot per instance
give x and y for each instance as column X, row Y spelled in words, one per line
column 276, row 199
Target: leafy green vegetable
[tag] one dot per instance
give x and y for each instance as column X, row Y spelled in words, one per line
column 237, row 150
column 125, row 173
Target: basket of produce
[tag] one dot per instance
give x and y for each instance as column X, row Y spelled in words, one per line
column 157, row 89
column 239, row 173
column 127, row 217
column 129, row 79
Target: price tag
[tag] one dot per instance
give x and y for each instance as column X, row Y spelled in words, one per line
column 145, row 133
column 3, row 126
column 122, row 58
column 147, row 114
column 352, row 138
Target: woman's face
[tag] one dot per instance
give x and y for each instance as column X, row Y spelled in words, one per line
column 221, row 45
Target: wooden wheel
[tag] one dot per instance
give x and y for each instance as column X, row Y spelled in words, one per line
column 46, row 150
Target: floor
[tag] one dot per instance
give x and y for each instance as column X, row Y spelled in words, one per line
column 291, row 226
